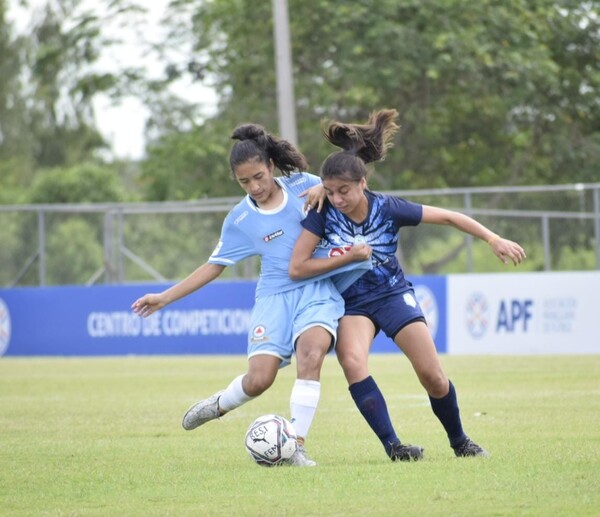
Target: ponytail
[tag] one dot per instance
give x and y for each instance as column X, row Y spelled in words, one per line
column 254, row 142
column 360, row 144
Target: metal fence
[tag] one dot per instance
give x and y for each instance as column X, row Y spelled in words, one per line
column 559, row 226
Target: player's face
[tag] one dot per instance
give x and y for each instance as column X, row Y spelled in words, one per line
column 346, row 195
column 256, row 178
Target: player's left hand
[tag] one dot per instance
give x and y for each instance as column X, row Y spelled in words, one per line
column 507, row 250
column 314, row 197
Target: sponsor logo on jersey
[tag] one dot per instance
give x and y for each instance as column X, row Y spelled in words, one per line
column 4, row 327
column 338, row 252
column 274, row 235
column 298, row 182
column 259, row 333
column 241, row 217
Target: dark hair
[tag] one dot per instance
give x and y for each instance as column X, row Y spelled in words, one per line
column 360, row 143
column 255, row 143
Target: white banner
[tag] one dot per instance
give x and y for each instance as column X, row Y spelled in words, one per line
column 524, row 313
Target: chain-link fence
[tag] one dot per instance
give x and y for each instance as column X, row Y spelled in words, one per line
column 559, row 227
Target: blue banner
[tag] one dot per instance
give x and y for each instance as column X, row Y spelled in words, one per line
column 98, row 321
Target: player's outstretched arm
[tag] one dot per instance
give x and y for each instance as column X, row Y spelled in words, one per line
column 152, row 302
column 506, row 250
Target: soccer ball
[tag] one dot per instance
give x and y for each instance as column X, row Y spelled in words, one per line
column 270, row 440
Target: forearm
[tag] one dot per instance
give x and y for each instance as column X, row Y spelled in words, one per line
column 205, row 274
column 469, row 225
column 315, row 266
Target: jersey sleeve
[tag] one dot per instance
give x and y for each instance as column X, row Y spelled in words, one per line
column 314, row 221
column 405, row 213
column 234, row 245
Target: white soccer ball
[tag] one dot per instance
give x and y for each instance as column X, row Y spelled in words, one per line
column 270, row 439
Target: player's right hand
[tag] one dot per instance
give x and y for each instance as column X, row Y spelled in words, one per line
column 148, row 304
column 360, row 252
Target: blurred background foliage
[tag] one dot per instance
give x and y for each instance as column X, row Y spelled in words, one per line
column 490, row 93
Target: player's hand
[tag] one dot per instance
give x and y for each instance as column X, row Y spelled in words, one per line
column 148, row 304
column 314, row 198
column 507, row 250
column 360, row 252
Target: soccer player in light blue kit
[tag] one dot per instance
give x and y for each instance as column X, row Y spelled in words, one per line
column 382, row 299
column 288, row 316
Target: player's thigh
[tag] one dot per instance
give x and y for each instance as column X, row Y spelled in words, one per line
column 417, row 344
column 355, row 335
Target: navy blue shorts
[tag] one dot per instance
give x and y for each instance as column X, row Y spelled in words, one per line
column 391, row 313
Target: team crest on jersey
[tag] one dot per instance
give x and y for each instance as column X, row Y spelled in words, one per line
column 274, row 235
column 259, row 333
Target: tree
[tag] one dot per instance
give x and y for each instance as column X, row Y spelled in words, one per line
column 490, row 93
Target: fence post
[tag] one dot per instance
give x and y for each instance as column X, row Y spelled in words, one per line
column 596, row 194
column 42, row 247
column 546, row 242
column 469, row 237
column 109, row 266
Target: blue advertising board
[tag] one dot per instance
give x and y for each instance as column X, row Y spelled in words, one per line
column 98, row 321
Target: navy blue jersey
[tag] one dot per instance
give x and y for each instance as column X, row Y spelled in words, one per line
column 380, row 230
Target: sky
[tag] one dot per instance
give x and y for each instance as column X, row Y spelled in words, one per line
column 123, row 124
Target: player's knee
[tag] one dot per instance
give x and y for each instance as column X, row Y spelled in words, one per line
column 255, row 385
column 353, row 365
column 436, row 383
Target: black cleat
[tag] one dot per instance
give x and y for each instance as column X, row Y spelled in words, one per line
column 401, row 452
column 469, row 448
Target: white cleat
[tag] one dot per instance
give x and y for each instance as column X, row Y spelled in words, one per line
column 202, row 412
column 300, row 459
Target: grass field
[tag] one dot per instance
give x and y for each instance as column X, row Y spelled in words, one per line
column 103, row 437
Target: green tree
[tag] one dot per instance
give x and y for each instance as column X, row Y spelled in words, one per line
column 85, row 183
column 489, row 92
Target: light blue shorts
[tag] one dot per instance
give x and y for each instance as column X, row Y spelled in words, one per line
column 277, row 320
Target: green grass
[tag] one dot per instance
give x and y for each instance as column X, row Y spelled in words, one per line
column 103, row 437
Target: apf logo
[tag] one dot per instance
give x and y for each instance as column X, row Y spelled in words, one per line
column 4, row 327
column 477, row 315
column 429, row 306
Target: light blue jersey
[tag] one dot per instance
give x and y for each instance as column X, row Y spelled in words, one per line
column 249, row 231
column 284, row 308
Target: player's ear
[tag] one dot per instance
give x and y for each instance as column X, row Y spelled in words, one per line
column 271, row 165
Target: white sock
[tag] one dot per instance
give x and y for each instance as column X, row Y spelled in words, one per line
column 234, row 395
column 303, row 405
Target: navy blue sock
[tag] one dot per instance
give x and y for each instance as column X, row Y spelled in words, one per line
column 446, row 409
column 370, row 402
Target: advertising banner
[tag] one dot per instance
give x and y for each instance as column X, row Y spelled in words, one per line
column 524, row 313
column 98, row 321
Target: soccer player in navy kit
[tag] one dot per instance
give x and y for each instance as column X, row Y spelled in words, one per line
column 382, row 299
column 288, row 316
